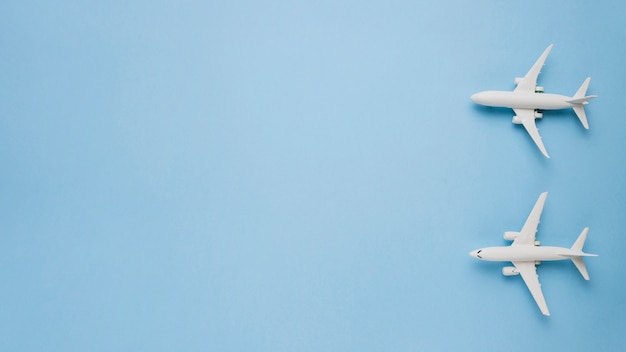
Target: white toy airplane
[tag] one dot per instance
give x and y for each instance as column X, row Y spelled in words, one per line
column 525, row 253
column 528, row 100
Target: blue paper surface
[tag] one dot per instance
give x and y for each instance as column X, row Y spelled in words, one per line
column 303, row 176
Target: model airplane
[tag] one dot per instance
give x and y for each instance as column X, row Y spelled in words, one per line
column 525, row 253
column 528, row 100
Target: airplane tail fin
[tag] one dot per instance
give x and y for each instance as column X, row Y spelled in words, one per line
column 577, row 259
column 579, row 100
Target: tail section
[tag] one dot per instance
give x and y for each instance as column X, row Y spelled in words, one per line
column 579, row 100
column 583, row 89
column 580, row 241
column 580, row 265
column 577, row 259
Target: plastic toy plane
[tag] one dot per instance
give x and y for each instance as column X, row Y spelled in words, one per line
column 525, row 253
column 528, row 100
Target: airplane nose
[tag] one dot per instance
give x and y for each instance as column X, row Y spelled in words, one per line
column 476, row 97
column 476, row 254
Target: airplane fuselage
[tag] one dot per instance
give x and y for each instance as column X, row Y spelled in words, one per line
column 519, row 100
column 524, row 253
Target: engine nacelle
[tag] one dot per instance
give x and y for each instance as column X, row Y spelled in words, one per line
column 511, row 235
column 516, row 120
column 509, row 271
column 538, row 114
column 538, row 89
column 518, row 79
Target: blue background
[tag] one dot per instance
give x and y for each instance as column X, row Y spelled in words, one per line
column 303, row 176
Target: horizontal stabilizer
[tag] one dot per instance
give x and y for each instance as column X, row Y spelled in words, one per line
column 580, row 265
column 580, row 112
column 583, row 89
column 579, row 100
column 577, row 255
column 577, row 258
column 580, row 241
column 583, row 100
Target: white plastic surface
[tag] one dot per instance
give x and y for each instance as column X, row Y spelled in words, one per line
column 525, row 254
column 527, row 97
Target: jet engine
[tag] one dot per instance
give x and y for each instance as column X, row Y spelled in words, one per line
column 538, row 89
column 510, row 235
column 518, row 79
column 509, row 271
column 516, row 120
column 538, row 114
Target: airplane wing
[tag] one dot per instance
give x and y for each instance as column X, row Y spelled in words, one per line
column 527, row 116
column 528, row 270
column 527, row 234
column 529, row 82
